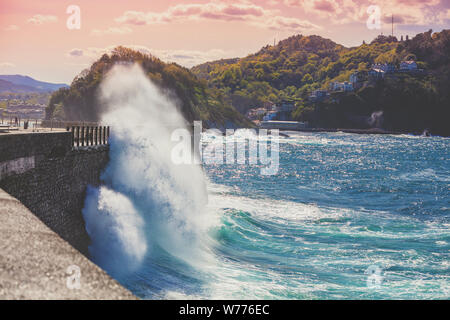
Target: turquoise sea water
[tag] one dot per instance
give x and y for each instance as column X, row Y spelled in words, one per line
column 341, row 206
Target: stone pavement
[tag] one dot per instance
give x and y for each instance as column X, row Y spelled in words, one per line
column 34, row 261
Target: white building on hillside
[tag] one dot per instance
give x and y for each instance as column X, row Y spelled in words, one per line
column 408, row 66
column 386, row 67
column 318, row 95
column 341, row 86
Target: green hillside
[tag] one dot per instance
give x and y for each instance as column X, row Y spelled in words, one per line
column 198, row 102
column 295, row 67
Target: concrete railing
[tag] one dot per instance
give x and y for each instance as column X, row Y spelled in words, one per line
column 89, row 135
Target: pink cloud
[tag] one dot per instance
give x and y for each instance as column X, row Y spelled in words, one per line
column 75, row 53
column 324, row 6
column 421, row 12
column 113, row 30
column 12, row 27
column 246, row 12
column 400, row 19
column 39, row 19
column 7, row 65
column 187, row 58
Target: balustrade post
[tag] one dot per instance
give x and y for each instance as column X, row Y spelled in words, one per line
column 73, row 136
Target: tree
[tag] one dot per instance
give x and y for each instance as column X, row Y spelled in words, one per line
column 198, row 102
column 307, row 79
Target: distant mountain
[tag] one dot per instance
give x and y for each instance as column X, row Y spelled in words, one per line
column 6, row 86
column 20, row 83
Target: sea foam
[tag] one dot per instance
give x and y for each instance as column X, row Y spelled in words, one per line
column 145, row 199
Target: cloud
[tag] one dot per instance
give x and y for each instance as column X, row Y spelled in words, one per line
column 444, row 15
column 39, row 19
column 190, row 58
column 75, row 53
column 112, row 30
column 90, row 52
column 6, row 65
column 12, row 27
column 245, row 12
column 400, row 19
column 187, row 58
column 286, row 23
column 418, row 12
column 326, row 6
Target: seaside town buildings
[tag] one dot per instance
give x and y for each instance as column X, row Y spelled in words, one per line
column 283, row 111
column 271, row 111
column 23, row 111
column 377, row 72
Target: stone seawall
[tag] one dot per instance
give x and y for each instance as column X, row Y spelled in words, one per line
column 49, row 177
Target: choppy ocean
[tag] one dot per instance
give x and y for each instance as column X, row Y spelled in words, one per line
column 346, row 217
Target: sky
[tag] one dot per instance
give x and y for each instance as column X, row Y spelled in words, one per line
column 54, row 40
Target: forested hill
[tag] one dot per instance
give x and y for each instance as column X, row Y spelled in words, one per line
column 295, row 67
column 197, row 101
column 273, row 73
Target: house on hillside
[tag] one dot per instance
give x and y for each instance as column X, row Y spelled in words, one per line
column 348, row 86
column 255, row 113
column 354, row 78
column 376, row 74
column 287, row 106
column 341, row 86
column 408, row 66
column 271, row 115
column 269, row 105
column 385, row 67
column 357, row 79
column 318, row 95
column 284, row 110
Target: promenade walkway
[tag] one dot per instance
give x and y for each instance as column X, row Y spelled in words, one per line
column 34, row 261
